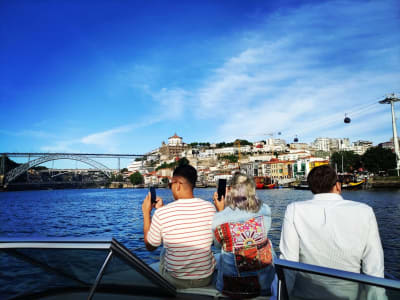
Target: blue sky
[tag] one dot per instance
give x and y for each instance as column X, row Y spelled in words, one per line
column 123, row 76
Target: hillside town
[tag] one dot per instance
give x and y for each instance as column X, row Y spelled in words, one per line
column 272, row 158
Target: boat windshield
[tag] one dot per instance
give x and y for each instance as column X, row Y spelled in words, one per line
column 304, row 281
column 81, row 269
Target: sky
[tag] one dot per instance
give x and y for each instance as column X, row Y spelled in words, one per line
column 123, row 76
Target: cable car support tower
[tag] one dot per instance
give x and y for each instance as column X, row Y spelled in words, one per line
column 390, row 99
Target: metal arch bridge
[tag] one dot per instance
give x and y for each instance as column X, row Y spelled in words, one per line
column 46, row 157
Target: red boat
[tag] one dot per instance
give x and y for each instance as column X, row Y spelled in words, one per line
column 263, row 182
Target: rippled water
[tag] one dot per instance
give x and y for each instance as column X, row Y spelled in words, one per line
column 117, row 213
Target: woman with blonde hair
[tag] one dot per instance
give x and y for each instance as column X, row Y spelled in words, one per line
column 245, row 266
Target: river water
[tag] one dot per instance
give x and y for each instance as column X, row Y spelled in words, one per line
column 117, row 213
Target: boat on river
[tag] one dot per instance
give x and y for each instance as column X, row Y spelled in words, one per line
column 59, row 268
column 350, row 181
column 264, row 182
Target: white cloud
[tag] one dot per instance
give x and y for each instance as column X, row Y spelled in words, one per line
column 104, row 138
column 301, row 74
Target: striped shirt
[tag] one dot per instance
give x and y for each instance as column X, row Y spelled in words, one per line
column 184, row 227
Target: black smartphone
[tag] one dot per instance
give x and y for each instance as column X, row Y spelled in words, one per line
column 221, row 188
column 153, row 194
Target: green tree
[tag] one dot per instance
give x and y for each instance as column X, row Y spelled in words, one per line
column 377, row 159
column 231, row 158
column 322, row 154
column 136, row 178
column 351, row 161
column 124, row 170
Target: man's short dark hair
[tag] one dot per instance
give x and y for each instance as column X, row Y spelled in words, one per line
column 322, row 179
column 187, row 172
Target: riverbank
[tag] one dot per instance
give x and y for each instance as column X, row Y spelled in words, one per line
column 377, row 182
column 384, row 182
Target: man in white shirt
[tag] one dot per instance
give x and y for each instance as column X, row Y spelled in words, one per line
column 184, row 229
column 332, row 232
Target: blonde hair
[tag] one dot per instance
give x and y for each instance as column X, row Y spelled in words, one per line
column 242, row 194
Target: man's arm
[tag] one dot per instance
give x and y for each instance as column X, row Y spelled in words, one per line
column 289, row 244
column 373, row 262
column 147, row 206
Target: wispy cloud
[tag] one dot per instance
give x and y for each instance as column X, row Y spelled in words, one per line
column 301, row 69
column 298, row 72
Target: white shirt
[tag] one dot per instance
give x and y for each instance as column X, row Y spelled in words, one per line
column 332, row 232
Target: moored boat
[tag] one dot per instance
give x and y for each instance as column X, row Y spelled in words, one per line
column 263, row 182
column 353, row 185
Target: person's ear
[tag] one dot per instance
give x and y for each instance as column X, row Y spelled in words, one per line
column 338, row 187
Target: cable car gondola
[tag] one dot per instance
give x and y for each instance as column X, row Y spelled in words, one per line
column 347, row 120
column 296, row 139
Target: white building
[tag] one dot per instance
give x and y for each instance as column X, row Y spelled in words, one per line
column 226, row 151
column 175, row 140
column 322, row 144
column 294, row 155
column 360, row 147
column 137, row 166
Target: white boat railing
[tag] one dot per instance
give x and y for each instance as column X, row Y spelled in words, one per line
column 295, row 279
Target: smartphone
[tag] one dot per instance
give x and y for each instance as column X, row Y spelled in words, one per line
column 153, row 194
column 221, row 188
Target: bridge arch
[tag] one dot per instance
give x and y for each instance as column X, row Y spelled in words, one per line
column 14, row 173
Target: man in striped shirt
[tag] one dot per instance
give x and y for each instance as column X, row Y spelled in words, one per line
column 184, row 229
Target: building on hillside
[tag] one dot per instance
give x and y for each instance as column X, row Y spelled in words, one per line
column 250, row 168
column 264, row 169
column 304, row 165
column 137, row 166
column 339, row 145
column 165, row 172
column 226, row 151
column 293, row 155
column 389, row 145
column 226, row 175
column 322, row 144
column 174, row 148
column 261, row 157
column 299, row 146
column 275, row 145
column 280, row 169
column 359, row 147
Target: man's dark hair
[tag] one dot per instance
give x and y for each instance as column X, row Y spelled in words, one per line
column 187, row 172
column 322, row 179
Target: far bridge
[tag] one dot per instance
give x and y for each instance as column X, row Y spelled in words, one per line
column 40, row 158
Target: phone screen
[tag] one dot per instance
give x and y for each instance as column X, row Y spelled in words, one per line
column 221, row 188
column 153, row 194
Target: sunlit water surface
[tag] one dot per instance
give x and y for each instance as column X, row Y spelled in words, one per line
column 117, row 213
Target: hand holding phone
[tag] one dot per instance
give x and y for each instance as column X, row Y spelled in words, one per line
column 221, row 188
column 153, row 194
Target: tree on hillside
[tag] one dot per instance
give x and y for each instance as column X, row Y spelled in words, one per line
column 136, row 178
column 377, row 159
column 351, row 161
column 231, row 158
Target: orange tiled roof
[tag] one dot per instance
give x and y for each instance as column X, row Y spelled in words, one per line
column 174, row 136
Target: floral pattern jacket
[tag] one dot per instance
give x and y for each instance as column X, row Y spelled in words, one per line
column 245, row 264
